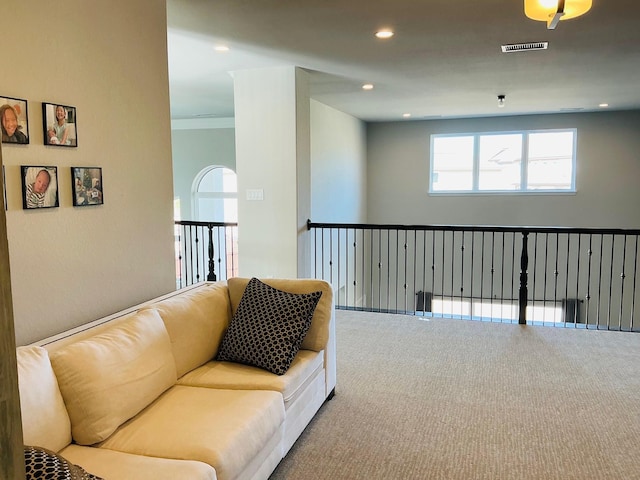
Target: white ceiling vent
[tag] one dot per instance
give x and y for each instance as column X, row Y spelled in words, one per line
column 524, row 47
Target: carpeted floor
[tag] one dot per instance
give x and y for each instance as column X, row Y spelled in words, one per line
column 456, row 399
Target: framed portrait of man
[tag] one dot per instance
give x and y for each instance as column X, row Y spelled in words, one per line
column 59, row 125
column 14, row 120
column 39, row 187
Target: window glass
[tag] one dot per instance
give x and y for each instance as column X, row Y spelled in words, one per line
column 500, row 158
column 550, row 165
column 218, row 209
column 452, row 163
column 219, row 180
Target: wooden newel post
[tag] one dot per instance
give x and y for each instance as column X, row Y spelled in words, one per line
column 524, row 264
column 211, row 276
column 11, row 448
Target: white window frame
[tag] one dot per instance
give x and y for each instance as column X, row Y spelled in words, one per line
column 523, row 171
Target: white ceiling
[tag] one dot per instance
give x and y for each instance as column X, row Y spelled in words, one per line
column 444, row 61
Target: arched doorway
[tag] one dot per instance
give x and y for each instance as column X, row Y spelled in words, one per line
column 215, row 199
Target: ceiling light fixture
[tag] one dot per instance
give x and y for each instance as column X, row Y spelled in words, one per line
column 603, row 105
column 552, row 11
column 384, row 34
column 501, row 101
column 367, row 86
column 221, row 48
column 406, row 115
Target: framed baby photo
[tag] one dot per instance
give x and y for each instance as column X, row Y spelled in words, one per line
column 14, row 120
column 87, row 186
column 39, row 187
column 59, row 125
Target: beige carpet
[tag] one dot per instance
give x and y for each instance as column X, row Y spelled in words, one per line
column 456, row 399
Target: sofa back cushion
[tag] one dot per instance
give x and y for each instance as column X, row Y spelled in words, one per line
column 107, row 379
column 318, row 334
column 45, row 421
column 196, row 321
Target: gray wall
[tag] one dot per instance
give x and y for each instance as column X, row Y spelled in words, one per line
column 338, row 184
column 338, row 166
column 71, row 265
column 608, row 169
column 194, row 150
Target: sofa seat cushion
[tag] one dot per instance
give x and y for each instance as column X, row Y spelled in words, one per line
column 45, row 421
column 113, row 465
column 236, row 376
column 223, row 428
column 196, row 321
column 108, row 378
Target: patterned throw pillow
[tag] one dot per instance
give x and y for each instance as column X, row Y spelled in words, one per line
column 268, row 327
column 43, row 464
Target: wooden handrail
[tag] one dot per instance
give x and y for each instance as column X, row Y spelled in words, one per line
column 352, row 256
column 477, row 228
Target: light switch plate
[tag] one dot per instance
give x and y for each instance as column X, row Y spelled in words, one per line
column 255, row 194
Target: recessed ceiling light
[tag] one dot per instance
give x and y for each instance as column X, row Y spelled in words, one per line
column 221, row 48
column 406, row 115
column 603, row 105
column 367, row 86
column 384, row 33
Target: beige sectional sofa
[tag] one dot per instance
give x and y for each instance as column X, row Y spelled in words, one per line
column 139, row 394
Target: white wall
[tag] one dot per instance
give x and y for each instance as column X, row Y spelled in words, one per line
column 108, row 59
column 338, row 166
column 608, row 169
column 271, row 123
column 194, row 150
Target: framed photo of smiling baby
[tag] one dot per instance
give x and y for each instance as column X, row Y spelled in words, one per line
column 59, row 125
column 39, row 186
column 14, row 120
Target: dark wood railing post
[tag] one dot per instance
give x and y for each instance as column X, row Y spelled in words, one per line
column 212, row 264
column 524, row 265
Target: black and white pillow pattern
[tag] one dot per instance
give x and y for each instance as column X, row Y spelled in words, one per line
column 43, row 464
column 268, row 327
